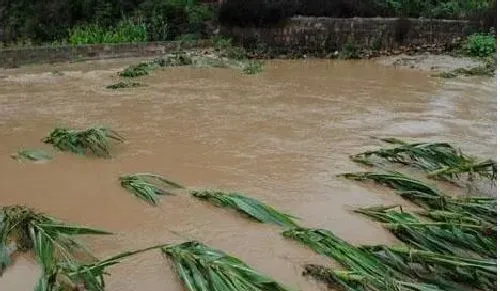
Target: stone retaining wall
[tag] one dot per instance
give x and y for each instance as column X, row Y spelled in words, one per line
column 297, row 35
column 14, row 57
column 330, row 34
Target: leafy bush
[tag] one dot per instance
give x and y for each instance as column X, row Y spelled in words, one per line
column 125, row 31
column 267, row 12
column 140, row 69
column 480, row 45
column 167, row 20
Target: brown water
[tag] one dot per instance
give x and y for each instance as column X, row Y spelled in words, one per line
column 280, row 136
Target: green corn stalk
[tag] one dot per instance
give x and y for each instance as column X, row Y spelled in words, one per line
column 148, row 186
column 249, row 206
column 94, row 140
column 202, row 268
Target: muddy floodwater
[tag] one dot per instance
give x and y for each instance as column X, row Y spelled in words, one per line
column 281, row 136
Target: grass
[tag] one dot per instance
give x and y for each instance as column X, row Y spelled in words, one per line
column 94, row 140
column 32, row 155
column 22, row 229
column 148, row 186
column 125, row 31
column 440, row 160
column 121, row 85
column 249, row 206
column 253, row 67
column 202, row 268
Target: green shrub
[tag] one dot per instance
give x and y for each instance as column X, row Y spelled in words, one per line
column 125, row 31
column 221, row 43
column 140, row 69
column 480, row 45
column 349, row 51
column 169, row 19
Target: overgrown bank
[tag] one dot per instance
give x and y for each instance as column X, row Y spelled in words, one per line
column 92, row 21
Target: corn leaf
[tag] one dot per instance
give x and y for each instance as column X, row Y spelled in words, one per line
column 148, row 186
column 205, row 269
column 249, row 206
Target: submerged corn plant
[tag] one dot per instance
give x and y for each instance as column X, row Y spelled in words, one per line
column 479, row 208
column 249, row 206
column 359, row 281
column 252, row 67
column 94, row 140
column 364, row 270
column 324, row 242
column 32, row 155
column 448, row 238
column 396, row 180
column 175, row 59
column 441, row 270
column 89, row 275
column 427, row 156
column 148, row 186
column 22, row 229
column 141, row 69
column 202, row 268
column 121, row 85
column 485, row 169
column 428, row 197
column 440, row 160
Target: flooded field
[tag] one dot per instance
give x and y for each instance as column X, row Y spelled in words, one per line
column 281, row 136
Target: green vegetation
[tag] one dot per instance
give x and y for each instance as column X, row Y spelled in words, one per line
column 249, row 206
column 480, row 45
column 439, row 160
column 324, row 242
column 253, row 67
column 263, row 12
column 95, row 21
column 121, row 85
column 140, row 69
column 223, row 56
column 144, row 68
column 447, row 238
column 205, row 269
column 401, row 183
column 32, row 155
column 440, row 269
column 22, row 229
column 94, row 140
column 148, row 186
column 349, row 51
column 125, row 31
column 90, row 275
column 450, row 246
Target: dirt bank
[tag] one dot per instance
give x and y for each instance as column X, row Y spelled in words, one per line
column 430, row 62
